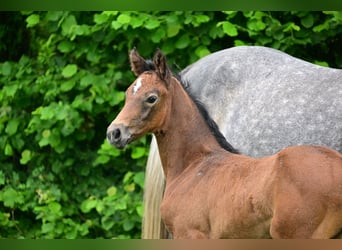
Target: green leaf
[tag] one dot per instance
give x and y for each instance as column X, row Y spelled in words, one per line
column 100, row 206
column 68, row 85
column 8, row 197
column 140, row 210
column 322, row 63
column 8, row 150
column 127, row 177
column 32, row 20
column 54, row 15
column 62, row 112
column 136, row 22
column 12, row 126
column 202, row 18
column 239, row 43
column 183, row 42
column 65, row 46
column 291, row 26
column 6, row 68
column 202, row 51
column 116, row 25
column 55, row 207
column 139, row 178
column 307, row 21
column 107, row 223
column 26, row 156
column 152, row 23
column 256, row 25
column 88, row 205
column 69, row 70
column 69, row 24
column 124, row 18
column 10, row 90
column 138, row 152
column 48, row 227
column 173, row 29
column 11, row 197
column 111, row 191
column 158, row 35
column 100, row 18
column 2, row 178
column 321, row 27
column 117, row 97
column 102, row 159
column 128, row 225
column 229, row 28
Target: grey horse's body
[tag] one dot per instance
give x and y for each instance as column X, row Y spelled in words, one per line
column 263, row 100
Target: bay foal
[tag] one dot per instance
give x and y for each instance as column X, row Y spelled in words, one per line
column 213, row 192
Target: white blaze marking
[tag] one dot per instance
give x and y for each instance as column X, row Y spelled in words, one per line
column 137, row 86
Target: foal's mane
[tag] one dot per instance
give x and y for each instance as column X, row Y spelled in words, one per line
column 210, row 122
column 149, row 66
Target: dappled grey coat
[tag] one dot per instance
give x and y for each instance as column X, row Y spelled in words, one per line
column 264, row 100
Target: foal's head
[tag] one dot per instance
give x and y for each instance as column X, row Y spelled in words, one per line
column 147, row 102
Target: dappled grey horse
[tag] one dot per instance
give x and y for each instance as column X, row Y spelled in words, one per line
column 263, row 100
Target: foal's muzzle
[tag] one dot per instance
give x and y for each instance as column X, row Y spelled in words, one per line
column 118, row 136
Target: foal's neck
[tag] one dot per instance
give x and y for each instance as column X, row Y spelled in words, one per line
column 186, row 137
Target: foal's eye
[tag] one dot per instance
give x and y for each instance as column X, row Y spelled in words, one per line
column 151, row 99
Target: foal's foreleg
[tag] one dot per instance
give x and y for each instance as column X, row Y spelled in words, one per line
column 294, row 216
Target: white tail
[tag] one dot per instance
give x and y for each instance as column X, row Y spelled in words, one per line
column 152, row 225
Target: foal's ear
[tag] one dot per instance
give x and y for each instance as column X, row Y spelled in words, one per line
column 161, row 66
column 138, row 64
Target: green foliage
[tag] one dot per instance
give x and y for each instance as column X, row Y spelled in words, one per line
column 59, row 177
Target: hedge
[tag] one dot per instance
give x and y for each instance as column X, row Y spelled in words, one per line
column 62, row 80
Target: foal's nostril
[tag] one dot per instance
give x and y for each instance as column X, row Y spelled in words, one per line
column 116, row 134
